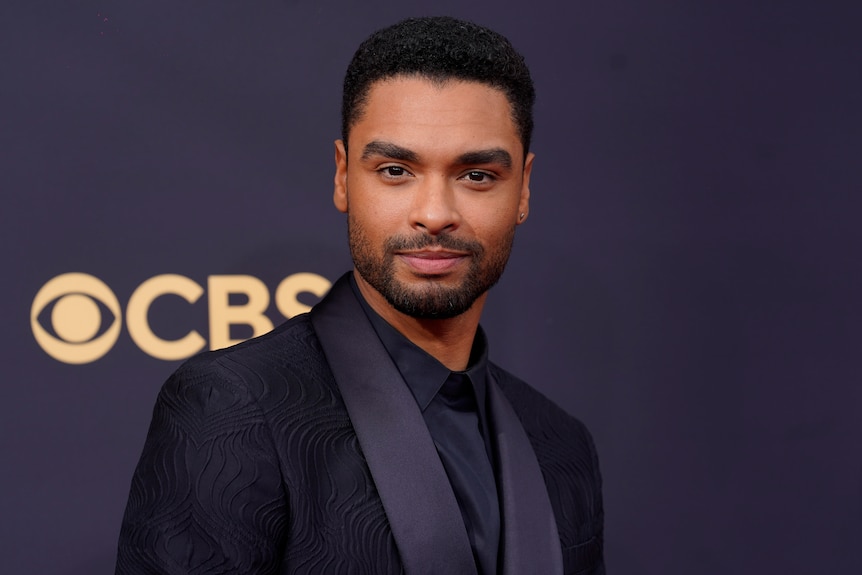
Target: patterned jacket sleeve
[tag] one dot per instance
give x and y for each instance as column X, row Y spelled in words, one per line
column 207, row 494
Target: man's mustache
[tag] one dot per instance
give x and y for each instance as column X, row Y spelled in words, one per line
column 440, row 241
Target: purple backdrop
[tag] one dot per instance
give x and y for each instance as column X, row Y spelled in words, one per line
column 688, row 282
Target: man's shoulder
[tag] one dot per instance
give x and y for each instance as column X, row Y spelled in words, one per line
column 535, row 410
column 291, row 351
column 291, row 340
column 553, row 432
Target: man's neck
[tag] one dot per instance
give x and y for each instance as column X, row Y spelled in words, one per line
column 449, row 341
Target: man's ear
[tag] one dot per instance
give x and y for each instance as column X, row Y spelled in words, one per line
column 339, row 196
column 524, row 201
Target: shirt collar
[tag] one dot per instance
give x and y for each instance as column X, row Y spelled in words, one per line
column 423, row 374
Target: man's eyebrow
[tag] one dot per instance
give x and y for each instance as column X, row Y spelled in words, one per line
column 492, row 156
column 388, row 150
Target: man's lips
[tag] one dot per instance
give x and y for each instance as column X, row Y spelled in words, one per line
column 432, row 261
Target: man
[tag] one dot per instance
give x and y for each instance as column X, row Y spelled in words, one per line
column 373, row 435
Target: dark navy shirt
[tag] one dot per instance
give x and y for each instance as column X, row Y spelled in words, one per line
column 453, row 405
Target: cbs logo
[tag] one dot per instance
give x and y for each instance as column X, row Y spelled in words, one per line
column 79, row 300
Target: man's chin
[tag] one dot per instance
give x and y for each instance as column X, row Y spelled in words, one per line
column 430, row 300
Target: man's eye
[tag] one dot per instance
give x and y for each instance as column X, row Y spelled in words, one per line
column 479, row 177
column 393, row 171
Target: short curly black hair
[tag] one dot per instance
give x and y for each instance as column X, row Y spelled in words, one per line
column 440, row 48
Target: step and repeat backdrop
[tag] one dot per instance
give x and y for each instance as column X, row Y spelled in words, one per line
column 688, row 283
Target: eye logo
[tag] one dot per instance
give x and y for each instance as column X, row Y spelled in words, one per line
column 76, row 318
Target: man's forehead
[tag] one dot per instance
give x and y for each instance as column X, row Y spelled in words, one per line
column 405, row 101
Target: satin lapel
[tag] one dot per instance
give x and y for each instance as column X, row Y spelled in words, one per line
column 530, row 542
column 417, row 497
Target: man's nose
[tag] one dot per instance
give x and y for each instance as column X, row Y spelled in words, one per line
column 434, row 208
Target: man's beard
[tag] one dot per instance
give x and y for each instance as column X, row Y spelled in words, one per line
column 429, row 299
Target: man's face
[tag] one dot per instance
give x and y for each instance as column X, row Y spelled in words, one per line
column 434, row 186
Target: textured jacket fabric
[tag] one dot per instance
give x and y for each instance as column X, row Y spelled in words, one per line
column 260, row 459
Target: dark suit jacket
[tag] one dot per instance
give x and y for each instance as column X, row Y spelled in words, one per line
column 303, row 451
